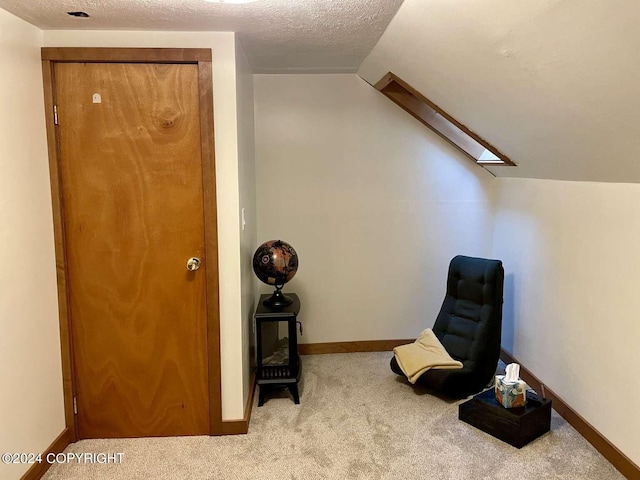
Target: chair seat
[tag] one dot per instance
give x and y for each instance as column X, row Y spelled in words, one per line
column 451, row 383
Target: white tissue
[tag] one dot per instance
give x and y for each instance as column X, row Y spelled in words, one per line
column 512, row 373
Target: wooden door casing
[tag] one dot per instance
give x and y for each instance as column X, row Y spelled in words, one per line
column 209, row 335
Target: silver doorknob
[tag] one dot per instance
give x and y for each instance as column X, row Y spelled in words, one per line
column 193, row 264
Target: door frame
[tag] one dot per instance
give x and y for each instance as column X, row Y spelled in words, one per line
column 201, row 57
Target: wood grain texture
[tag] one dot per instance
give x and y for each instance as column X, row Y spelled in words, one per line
column 58, row 235
column 432, row 116
column 37, row 470
column 618, row 459
column 133, row 202
column 129, row 55
column 239, row 427
column 205, row 82
column 350, row 347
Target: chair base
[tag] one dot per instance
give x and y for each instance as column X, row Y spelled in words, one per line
column 455, row 384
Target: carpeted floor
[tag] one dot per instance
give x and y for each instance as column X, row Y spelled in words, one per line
column 356, row 420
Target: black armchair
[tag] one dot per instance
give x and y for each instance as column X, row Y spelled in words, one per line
column 469, row 326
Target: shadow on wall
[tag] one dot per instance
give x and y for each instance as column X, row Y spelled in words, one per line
column 508, row 313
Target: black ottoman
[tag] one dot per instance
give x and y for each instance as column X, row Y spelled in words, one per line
column 515, row 426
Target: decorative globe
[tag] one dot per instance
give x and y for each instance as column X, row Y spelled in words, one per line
column 275, row 263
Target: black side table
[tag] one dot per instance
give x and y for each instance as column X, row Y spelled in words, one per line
column 278, row 363
column 515, row 426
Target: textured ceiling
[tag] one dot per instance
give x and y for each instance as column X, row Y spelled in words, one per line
column 278, row 35
column 554, row 84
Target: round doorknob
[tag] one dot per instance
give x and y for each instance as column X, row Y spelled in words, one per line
column 193, row 264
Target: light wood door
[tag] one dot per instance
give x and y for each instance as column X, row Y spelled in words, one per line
column 129, row 140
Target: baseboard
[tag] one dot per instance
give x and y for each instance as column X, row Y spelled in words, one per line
column 350, row 347
column 239, row 427
column 37, row 470
column 609, row 451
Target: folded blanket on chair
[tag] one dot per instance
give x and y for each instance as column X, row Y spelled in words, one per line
column 426, row 352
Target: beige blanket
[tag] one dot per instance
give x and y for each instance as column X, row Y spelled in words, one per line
column 426, row 352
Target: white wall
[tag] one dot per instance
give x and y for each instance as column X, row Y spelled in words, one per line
column 223, row 45
column 247, row 177
column 375, row 204
column 522, row 75
column 31, row 408
column 572, row 308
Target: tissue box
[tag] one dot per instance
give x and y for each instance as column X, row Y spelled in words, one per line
column 510, row 394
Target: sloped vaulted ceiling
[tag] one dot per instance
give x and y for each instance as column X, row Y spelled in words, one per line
column 554, row 84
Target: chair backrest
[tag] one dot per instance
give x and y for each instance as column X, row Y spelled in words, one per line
column 469, row 324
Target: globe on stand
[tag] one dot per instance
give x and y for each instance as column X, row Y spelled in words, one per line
column 275, row 263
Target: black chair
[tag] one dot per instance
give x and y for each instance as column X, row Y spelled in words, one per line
column 469, row 326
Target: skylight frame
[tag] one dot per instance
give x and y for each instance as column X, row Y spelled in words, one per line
column 436, row 119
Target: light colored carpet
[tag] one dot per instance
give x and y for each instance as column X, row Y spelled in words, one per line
column 356, row 420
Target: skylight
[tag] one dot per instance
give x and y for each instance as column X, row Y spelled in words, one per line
column 428, row 113
column 488, row 157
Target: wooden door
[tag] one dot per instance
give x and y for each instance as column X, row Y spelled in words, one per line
column 132, row 198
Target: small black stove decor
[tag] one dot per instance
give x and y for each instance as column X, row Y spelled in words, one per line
column 277, row 363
